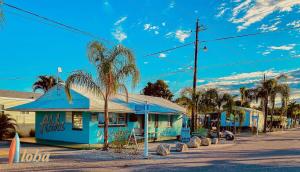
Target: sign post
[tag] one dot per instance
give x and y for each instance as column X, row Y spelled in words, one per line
column 146, row 113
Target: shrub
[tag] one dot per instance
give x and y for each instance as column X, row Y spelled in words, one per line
column 120, row 141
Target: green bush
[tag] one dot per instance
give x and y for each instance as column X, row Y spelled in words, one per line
column 120, row 141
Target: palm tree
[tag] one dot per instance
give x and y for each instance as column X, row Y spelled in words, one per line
column 243, row 95
column 229, row 107
column 293, row 109
column 217, row 100
column 44, row 83
column 112, row 68
column 7, row 126
column 186, row 100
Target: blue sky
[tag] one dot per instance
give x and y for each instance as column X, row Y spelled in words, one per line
column 32, row 47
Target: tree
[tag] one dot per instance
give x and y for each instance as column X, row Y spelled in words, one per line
column 44, row 83
column 158, row 89
column 293, row 111
column 112, row 68
column 7, row 126
column 1, row 12
column 243, row 95
column 217, row 100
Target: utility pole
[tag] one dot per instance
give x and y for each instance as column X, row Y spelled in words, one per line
column 194, row 110
column 265, row 107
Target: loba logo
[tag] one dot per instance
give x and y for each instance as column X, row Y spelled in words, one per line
column 14, row 153
column 37, row 157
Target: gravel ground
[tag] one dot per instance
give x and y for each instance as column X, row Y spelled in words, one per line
column 276, row 152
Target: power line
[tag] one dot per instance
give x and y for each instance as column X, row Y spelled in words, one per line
column 62, row 25
column 223, row 38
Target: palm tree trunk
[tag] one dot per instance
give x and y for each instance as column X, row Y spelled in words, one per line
column 234, row 118
column 265, row 113
column 106, row 123
column 272, row 113
column 218, row 124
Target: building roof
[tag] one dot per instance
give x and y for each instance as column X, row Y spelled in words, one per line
column 83, row 100
column 19, row 94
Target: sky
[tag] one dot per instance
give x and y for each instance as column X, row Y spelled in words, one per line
column 31, row 47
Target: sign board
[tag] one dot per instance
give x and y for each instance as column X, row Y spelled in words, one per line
column 185, row 134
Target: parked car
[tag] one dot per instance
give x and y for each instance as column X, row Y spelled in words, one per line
column 228, row 135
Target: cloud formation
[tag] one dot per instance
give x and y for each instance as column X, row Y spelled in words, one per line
column 181, row 35
column 121, row 20
column 283, row 47
column 248, row 12
column 119, row 34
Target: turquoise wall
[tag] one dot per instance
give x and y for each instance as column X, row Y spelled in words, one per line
column 92, row 133
column 68, row 135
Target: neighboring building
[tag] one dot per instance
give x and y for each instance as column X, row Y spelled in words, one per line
column 24, row 119
column 82, row 120
column 253, row 118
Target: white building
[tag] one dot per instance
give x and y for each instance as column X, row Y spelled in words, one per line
column 25, row 120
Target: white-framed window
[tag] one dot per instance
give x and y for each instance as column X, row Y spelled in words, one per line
column 170, row 120
column 115, row 119
column 77, row 121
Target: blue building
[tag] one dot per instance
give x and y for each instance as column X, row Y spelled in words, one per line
column 252, row 119
column 82, row 120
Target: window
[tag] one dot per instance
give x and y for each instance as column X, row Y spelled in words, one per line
column 68, row 117
column 77, row 120
column 115, row 119
column 170, row 121
column 94, row 117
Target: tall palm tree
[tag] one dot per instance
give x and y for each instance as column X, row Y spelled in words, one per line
column 44, row 83
column 229, row 107
column 217, row 100
column 112, row 68
column 243, row 95
column 186, row 100
column 7, row 126
column 293, row 109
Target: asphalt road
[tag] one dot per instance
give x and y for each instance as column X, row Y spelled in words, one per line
column 274, row 152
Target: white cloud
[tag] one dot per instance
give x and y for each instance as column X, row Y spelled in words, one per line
column 182, row 35
column 163, row 23
column 268, row 28
column 119, row 34
column 200, row 80
column 297, row 56
column 122, row 19
column 283, row 47
column 266, row 53
column 162, row 55
column 295, row 23
column 146, row 62
column 222, row 10
column 257, row 74
column 172, row 4
column 249, row 11
column 149, row 27
column 169, row 34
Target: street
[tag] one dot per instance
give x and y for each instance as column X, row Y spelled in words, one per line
column 278, row 151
